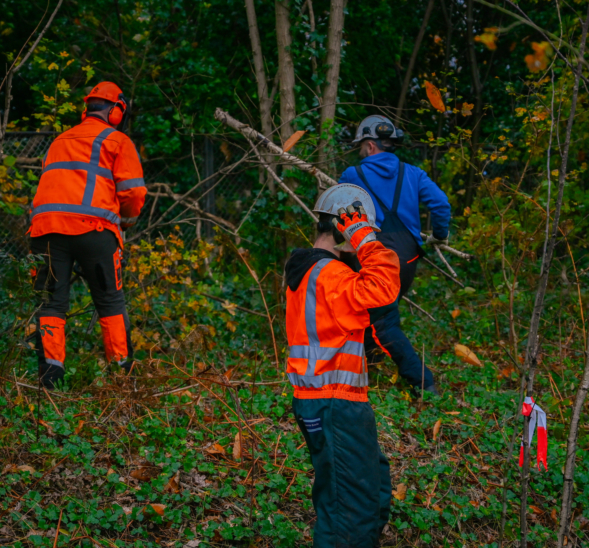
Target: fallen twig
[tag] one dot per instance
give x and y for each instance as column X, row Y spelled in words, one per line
column 419, row 308
column 434, row 265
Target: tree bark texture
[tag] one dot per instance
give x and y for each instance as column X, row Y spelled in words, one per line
column 260, row 72
column 412, row 60
column 332, row 66
column 309, row 5
column 533, row 344
column 285, row 69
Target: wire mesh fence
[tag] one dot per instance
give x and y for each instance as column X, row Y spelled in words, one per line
column 223, row 195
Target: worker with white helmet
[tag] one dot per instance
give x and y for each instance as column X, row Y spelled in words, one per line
column 328, row 306
column 397, row 189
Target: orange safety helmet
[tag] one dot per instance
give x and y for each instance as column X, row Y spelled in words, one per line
column 113, row 93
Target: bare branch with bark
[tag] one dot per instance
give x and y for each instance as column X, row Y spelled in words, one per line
column 285, row 69
column 260, row 72
column 532, row 350
column 332, row 65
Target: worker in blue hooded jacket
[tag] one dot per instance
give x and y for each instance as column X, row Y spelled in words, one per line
column 397, row 190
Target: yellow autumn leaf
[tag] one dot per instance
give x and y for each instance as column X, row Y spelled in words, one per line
column 466, row 109
column 466, row 355
column 488, row 38
column 53, row 66
column 400, row 492
column 434, row 96
column 539, row 60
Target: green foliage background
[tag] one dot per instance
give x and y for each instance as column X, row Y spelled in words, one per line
column 178, row 61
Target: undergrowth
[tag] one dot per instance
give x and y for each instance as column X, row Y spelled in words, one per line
column 200, row 448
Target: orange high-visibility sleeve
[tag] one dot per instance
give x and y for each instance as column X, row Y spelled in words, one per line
column 130, row 186
column 377, row 284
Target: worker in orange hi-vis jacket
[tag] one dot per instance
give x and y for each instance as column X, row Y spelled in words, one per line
column 90, row 190
column 328, row 307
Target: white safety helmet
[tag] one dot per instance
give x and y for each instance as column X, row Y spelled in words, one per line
column 343, row 195
column 377, row 127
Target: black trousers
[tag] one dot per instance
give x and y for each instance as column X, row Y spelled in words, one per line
column 99, row 256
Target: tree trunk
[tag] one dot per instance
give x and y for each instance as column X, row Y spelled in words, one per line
column 412, row 60
column 309, row 4
column 265, row 103
column 533, row 345
column 478, row 108
column 332, row 65
column 285, row 69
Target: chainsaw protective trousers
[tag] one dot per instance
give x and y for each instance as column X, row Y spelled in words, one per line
column 352, row 488
column 99, row 256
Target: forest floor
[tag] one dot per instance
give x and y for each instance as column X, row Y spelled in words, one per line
column 201, row 448
column 221, row 461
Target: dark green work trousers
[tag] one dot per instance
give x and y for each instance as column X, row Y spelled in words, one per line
column 352, row 489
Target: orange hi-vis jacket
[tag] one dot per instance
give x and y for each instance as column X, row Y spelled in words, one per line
column 92, row 179
column 325, row 321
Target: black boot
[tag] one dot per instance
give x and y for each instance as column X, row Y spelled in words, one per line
column 51, row 375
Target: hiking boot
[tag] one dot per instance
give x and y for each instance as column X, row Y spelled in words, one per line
column 51, row 375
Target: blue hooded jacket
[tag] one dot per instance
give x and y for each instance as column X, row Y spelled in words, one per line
column 381, row 172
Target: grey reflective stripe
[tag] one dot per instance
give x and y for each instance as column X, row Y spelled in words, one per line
column 80, row 209
column 82, row 166
column 358, row 380
column 325, row 353
column 311, row 311
column 54, row 362
column 129, row 183
column 129, row 220
column 93, row 167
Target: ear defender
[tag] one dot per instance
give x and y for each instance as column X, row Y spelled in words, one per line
column 115, row 114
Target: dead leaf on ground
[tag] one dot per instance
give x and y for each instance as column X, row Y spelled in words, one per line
column 26, row 468
column 452, row 412
column 173, row 485
column 437, row 508
column 536, row 510
column 215, row 449
column 466, row 355
column 506, row 372
column 455, row 313
column 158, row 508
column 79, row 427
column 437, row 427
column 237, row 446
column 110, row 471
column 400, row 492
column 145, row 473
column 475, row 503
